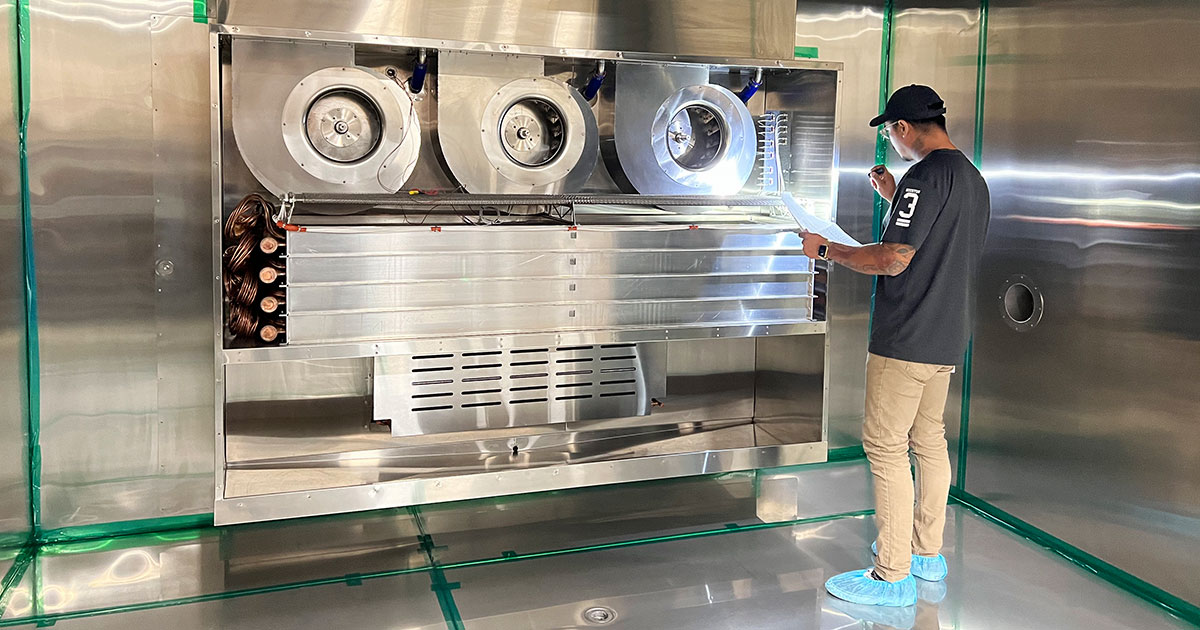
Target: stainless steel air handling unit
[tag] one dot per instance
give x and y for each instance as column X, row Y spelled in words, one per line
column 676, row 134
column 307, row 119
column 503, row 127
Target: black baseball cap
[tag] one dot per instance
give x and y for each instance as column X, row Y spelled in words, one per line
column 914, row 102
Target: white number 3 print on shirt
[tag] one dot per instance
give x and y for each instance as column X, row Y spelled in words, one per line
column 904, row 218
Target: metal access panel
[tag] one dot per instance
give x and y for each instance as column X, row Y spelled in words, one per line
column 492, row 389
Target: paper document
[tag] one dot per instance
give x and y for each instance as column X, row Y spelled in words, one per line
column 812, row 223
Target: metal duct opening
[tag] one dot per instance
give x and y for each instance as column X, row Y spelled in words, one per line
column 696, row 137
column 532, row 132
column 343, row 125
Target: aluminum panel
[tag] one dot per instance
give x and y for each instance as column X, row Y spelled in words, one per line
column 849, row 32
column 693, row 459
column 368, row 284
column 757, row 29
column 790, row 387
column 706, row 381
column 1085, row 425
column 99, row 215
column 444, row 393
column 14, row 472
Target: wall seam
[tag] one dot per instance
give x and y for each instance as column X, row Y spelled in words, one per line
column 960, row 479
column 885, row 83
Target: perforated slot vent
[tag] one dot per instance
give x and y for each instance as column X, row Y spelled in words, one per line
column 519, row 387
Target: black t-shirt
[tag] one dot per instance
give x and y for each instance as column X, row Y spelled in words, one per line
column 942, row 209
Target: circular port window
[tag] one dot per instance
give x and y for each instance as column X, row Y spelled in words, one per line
column 343, row 125
column 696, row 137
column 1021, row 303
column 532, row 132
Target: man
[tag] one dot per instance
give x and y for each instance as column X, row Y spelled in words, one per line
column 924, row 298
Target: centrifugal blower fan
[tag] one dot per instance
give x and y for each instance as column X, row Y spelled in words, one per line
column 503, row 127
column 702, row 139
column 304, row 124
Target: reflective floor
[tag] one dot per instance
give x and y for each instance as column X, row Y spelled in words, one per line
column 687, row 554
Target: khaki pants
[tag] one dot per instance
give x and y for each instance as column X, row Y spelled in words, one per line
column 904, row 407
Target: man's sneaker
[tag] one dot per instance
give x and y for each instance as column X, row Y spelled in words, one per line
column 860, row 587
column 928, row 569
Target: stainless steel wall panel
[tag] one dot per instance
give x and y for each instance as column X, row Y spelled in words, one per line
column 119, row 336
column 14, row 478
column 790, row 387
column 849, row 32
column 298, row 380
column 936, row 43
column 183, row 259
column 757, row 29
column 1085, row 425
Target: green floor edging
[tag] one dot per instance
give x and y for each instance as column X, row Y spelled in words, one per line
column 13, row 576
column 104, row 531
column 960, row 479
column 1110, row 573
column 32, row 360
column 439, row 586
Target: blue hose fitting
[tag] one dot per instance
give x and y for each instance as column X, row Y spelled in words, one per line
column 417, row 81
column 593, row 85
column 751, row 88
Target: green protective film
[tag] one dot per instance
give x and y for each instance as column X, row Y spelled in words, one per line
column 125, row 528
column 200, row 11
column 32, row 362
column 13, row 577
column 881, row 147
column 128, row 541
column 806, row 52
column 439, row 585
column 13, row 540
column 727, row 529
column 885, row 89
column 1118, row 577
column 846, row 454
column 960, row 479
column 441, row 588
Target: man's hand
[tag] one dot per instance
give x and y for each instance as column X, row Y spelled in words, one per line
column 812, row 242
column 876, row 259
column 883, row 182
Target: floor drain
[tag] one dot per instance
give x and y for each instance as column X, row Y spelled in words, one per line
column 599, row 615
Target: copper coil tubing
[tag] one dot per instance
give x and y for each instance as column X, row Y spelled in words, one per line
column 270, row 245
column 272, row 331
column 272, row 302
column 247, row 291
column 238, row 256
column 230, row 282
column 252, row 210
column 272, row 272
column 242, row 321
column 234, row 282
